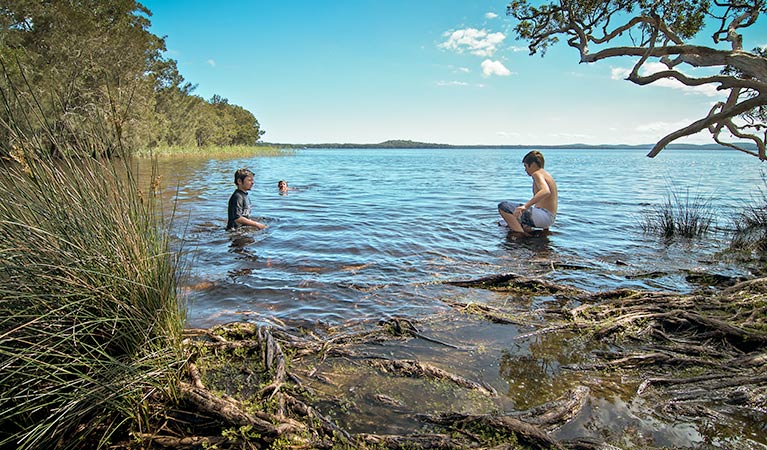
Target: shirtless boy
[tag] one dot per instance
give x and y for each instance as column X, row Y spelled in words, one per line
column 239, row 202
column 541, row 210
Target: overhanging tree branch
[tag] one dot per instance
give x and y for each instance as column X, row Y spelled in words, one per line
column 664, row 29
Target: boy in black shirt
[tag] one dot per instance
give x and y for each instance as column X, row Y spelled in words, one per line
column 239, row 203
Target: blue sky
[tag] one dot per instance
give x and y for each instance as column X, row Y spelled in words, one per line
column 447, row 71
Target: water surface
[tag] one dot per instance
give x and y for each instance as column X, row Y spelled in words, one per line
column 372, row 233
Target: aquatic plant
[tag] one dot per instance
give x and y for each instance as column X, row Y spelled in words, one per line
column 751, row 225
column 680, row 215
column 90, row 322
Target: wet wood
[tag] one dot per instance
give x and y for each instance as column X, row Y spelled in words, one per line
column 720, row 339
column 526, row 434
column 226, row 410
column 412, row 368
column 510, row 282
column 554, row 414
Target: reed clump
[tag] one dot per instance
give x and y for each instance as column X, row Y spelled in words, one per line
column 214, row 151
column 680, row 215
column 90, row 322
column 751, row 224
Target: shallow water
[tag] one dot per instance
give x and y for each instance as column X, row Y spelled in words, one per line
column 371, row 234
column 368, row 234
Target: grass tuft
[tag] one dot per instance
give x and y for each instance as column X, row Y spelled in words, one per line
column 751, row 225
column 680, row 215
column 90, row 322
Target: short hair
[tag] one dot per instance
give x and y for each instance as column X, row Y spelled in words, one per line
column 241, row 174
column 534, row 157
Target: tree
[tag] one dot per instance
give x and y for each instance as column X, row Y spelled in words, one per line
column 82, row 67
column 661, row 31
column 88, row 77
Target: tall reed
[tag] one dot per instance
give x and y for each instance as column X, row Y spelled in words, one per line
column 233, row 151
column 751, row 224
column 90, row 322
column 680, row 215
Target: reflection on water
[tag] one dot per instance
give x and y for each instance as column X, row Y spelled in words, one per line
column 371, row 233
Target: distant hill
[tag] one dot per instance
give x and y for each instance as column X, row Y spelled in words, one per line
column 402, row 143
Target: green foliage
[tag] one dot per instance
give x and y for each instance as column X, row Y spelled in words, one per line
column 682, row 216
column 88, row 76
column 660, row 32
column 90, row 324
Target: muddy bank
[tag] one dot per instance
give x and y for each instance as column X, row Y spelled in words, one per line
column 535, row 365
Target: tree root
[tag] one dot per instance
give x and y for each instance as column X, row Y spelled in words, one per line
column 718, row 339
column 417, row 369
column 494, row 315
column 552, row 415
column 517, row 284
column 499, row 427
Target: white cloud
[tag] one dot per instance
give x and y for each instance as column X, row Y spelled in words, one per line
column 444, row 83
column 490, row 67
column 621, row 73
column 491, row 15
column 451, row 83
column 212, row 63
column 476, row 42
column 662, row 127
column 508, row 134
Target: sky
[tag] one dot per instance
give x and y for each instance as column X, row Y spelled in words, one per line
column 440, row 71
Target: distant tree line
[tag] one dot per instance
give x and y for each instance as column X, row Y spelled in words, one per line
column 87, row 76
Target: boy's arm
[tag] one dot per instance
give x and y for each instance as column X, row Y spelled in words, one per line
column 543, row 190
column 242, row 220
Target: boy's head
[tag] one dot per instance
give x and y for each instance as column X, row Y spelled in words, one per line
column 534, row 157
column 282, row 185
column 240, row 176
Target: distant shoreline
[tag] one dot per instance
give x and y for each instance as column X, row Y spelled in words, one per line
column 404, row 144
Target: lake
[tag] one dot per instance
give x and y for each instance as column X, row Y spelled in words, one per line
column 371, row 233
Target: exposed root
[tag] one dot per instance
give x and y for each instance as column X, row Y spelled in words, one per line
column 554, row 414
column 490, row 313
column 500, row 428
column 518, row 284
column 244, row 389
column 418, row 369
